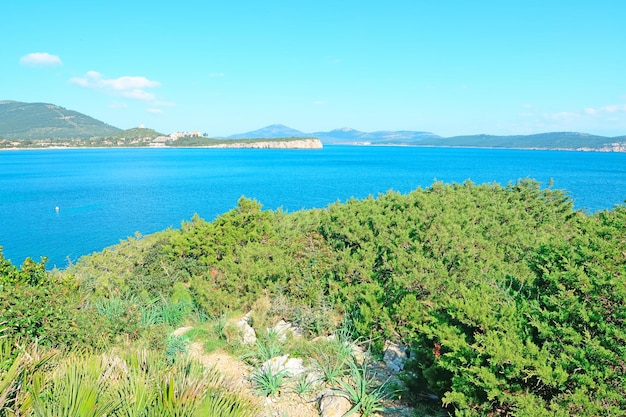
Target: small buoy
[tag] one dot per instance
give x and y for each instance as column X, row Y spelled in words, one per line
column 56, row 209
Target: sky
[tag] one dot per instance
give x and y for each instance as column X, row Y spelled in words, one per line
column 226, row 67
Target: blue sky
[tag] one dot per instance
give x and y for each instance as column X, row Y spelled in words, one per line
column 225, row 67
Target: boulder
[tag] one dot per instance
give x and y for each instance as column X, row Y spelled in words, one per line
column 283, row 329
column 394, row 356
column 334, row 403
column 292, row 366
column 248, row 335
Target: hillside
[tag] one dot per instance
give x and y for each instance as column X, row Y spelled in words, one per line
column 552, row 140
column 135, row 133
column 509, row 301
column 253, row 143
column 47, row 121
column 337, row 136
column 349, row 136
column 36, row 121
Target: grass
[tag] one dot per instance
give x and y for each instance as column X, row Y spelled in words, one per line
column 332, row 358
column 269, row 346
column 363, row 391
column 304, row 385
column 267, row 381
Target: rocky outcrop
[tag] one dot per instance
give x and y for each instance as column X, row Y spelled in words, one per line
column 248, row 335
column 290, row 366
column 274, row 144
column 284, row 329
column 334, row 403
column 394, row 356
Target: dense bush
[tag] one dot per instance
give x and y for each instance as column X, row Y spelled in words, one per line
column 511, row 302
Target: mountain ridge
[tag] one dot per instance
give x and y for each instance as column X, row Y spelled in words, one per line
column 23, row 121
column 349, row 136
column 19, row 120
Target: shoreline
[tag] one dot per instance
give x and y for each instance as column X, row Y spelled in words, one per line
column 259, row 146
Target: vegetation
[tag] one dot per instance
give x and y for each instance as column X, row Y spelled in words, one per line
column 552, row 140
column 196, row 141
column 120, row 383
column 47, row 121
column 511, row 302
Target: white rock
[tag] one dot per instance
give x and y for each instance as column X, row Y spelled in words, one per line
column 292, row 366
column 248, row 335
column 333, row 403
column 283, row 329
column 394, row 356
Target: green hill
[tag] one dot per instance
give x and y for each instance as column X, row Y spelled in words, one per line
column 135, row 133
column 550, row 140
column 47, row 121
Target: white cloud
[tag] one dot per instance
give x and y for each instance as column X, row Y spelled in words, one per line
column 611, row 108
column 319, row 102
column 216, row 74
column 589, row 112
column 138, row 94
column 564, row 115
column 127, row 86
column 155, row 111
column 40, row 59
column 118, row 105
column 165, row 103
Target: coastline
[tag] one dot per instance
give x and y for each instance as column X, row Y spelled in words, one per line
column 296, row 145
column 284, row 145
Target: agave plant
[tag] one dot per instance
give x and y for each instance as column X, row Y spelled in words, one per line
column 367, row 396
column 267, row 381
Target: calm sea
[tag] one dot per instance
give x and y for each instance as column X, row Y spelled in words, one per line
column 105, row 195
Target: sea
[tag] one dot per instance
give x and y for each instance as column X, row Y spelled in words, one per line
column 66, row 203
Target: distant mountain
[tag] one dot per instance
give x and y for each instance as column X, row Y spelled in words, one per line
column 337, row 136
column 348, row 135
column 47, row 121
column 551, row 140
column 271, row 132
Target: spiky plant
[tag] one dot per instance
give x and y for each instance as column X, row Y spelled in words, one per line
column 77, row 389
column 21, row 373
column 363, row 391
column 268, row 381
column 219, row 403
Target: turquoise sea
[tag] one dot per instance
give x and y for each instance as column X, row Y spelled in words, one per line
column 105, row 195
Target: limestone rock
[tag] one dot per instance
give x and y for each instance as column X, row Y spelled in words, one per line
column 394, row 356
column 333, row 403
column 248, row 335
column 291, row 144
column 292, row 366
column 283, row 329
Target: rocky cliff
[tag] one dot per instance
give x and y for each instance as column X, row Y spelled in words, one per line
column 274, row 144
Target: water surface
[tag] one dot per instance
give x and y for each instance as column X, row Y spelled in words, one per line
column 105, row 195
